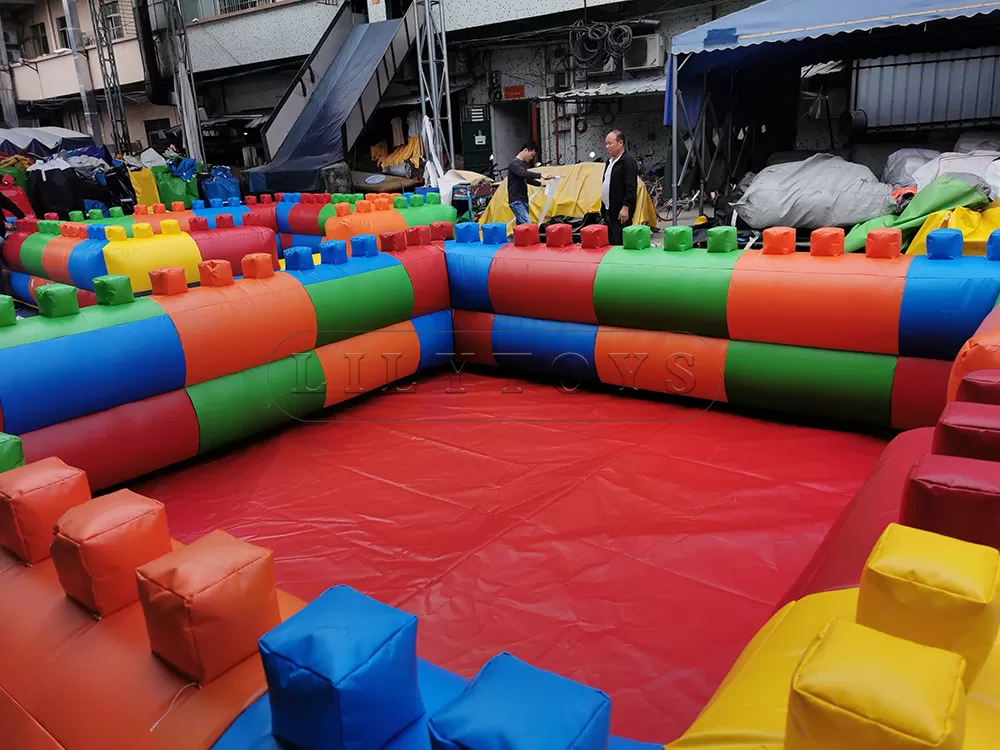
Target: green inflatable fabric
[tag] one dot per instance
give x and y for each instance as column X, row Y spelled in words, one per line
column 841, row 385
column 428, row 213
column 11, row 452
column 33, row 246
column 242, row 404
column 357, row 304
column 681, row 291
column 41, row 328
column 942, row 193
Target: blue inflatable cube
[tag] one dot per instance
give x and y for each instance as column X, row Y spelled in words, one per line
column 511, row 705
column 342, row 673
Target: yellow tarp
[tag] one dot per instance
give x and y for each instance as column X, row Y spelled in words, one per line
column 975, row 227
column 144, row 184
column 578, row 193
column 411, row 151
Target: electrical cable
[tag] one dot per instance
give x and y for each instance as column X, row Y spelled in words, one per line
column 592, row 45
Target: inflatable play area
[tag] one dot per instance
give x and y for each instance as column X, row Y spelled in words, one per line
column 421, row 485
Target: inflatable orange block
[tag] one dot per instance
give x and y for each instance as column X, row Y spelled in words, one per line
column 98, row 546
column 55, row 255
column 238, row 325
column 824, row 300
column 673, row 363
column 363, row 221
column 32, row 499
column 373, row 360
column 207, row 604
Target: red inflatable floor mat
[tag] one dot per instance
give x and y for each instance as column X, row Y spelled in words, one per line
column 635, row 544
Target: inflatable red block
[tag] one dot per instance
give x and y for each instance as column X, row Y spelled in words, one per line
column 919, row 392
column 969, row 430
column 980, row 386
column 424, row 263
column 551, row 281
column 474, row 337
column 954, row 496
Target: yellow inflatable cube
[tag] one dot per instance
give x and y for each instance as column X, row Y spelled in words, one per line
column 861, row 689
column 136, row 257
column 933, row 590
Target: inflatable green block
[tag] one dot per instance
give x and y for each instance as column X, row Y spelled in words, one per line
column 76, row 216
column 427, row 214
column 11, row 452
column 57, row 300
column 416, row 201
column 113, row 289
column 678, row 239
column 41, row 328
column 684, row 291
column 851, row 386
column 32, row 248
column 636, row 238
column 432, row 199
column 399, row 202
column 115, row 212
column 242, row 404
column 355, row 197
column 722, row 240
column 95, row 214
column 8, row 316
column 357, row 304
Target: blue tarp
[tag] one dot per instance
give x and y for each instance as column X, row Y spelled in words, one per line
column 751, row 33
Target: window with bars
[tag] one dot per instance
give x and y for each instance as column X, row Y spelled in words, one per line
column 36, row 41
column 111, row 10
column 62, row 32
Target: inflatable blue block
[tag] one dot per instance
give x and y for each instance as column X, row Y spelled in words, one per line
column 467, row 231
column 198, row 204
column 20, row 287
column 363, row 246
column 469, row 262
column 214, row 203
column 545, row 347
column 993, row 245
column 511, row 704
column 495, row 233
column 945, row 244
column 943, row 304
column 334, row 251
column 331, row 271
column 86, row 259
column 437, row 339
column 281, row 212
column 342, row 673
column 47, row 382
column 299, row 259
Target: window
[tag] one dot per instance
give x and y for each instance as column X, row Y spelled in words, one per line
column 36, row 41
column 63, row 32
column 113, row 18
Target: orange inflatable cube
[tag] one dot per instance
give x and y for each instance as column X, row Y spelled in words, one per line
column 206, row 605
column 98, row 546
column 32, row 499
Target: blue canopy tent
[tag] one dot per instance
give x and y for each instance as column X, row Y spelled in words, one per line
column 800, row 32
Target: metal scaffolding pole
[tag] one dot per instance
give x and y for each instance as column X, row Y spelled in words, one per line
column 184, row 92
column 91, row 118
column 104, row 40
column 435, row 85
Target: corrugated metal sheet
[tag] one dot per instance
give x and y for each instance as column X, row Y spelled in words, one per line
column 652, row 85
column 945, row 88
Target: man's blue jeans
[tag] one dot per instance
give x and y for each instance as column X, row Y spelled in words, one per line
column 520, row 209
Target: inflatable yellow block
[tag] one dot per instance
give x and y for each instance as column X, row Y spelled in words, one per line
column 934, row 590
column 750, row 710
column 135, row 257
column 861, row 689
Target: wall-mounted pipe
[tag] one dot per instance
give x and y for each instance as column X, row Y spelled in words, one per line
column 156, row 86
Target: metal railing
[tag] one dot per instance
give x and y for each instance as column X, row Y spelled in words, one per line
column 202, row 9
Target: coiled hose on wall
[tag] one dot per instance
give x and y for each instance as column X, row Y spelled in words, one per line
column 592, row 45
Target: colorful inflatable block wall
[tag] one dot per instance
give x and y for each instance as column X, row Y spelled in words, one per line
column 76, row 254
column 868, row 338
column 185, row 370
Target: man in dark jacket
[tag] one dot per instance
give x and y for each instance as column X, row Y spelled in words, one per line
column 518, row 179
column 621, row 175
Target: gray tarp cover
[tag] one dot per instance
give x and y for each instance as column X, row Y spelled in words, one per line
column 315, row 139
column 822, row 191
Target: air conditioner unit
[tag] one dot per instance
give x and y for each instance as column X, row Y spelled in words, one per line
column 10, row 37
column 15, row 55
column 646, row 52
column 610, row 67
